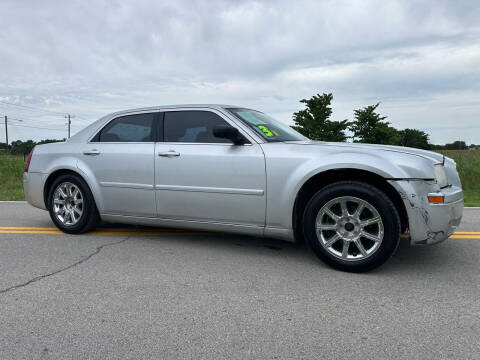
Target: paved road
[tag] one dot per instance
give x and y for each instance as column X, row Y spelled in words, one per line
column 130, row 295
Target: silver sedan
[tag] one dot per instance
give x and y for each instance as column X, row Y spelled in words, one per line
column 232, row 169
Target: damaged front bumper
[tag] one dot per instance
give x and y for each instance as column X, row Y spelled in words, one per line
column 430, row 223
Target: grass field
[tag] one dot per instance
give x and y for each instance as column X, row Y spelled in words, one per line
column 468, row 164
column 11, row 172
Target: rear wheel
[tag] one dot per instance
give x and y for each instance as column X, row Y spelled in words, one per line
column 352, row 226
column 71, row 204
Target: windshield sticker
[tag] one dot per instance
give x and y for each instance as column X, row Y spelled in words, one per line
column 266, row 131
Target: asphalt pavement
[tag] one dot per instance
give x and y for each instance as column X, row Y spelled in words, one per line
column 142, row 293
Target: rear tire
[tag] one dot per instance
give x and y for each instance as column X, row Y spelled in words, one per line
column 352, row 226
column 71, row 204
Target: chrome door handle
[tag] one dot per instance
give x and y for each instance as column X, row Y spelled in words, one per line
column 91, row 152
column 169, row 153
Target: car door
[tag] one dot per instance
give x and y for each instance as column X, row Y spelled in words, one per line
column 201, row 177
column 121, row 158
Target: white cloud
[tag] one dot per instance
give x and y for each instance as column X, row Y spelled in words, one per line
column 420, row 59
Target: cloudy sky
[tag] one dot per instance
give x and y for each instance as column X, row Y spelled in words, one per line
column 420, row 59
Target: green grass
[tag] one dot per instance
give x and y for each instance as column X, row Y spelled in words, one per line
column 472, row 197
column 11, row 173
column 468, row 165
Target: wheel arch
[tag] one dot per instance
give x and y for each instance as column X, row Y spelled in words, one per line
column 320, row 180
column 55, row 174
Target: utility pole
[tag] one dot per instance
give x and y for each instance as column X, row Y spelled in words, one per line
column 6, row 131
column 68, row 123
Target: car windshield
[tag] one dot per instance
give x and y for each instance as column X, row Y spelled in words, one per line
column 268, row 128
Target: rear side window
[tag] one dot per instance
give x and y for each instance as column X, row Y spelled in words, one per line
column 192, row 127
column 130, row 128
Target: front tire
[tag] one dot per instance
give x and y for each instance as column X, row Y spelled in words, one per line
column 71, row 204
column 352, row 226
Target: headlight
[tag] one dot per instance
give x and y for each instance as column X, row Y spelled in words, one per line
column 440, row 175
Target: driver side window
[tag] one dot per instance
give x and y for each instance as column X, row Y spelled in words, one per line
column 192, row 127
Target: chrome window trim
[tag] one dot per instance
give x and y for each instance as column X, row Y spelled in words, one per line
column 195, row 143
column 225, row 115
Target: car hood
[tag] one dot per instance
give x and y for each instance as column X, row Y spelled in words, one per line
column 436, row 157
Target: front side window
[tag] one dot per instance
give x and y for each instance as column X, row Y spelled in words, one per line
column 269, row 128
column 130, row 128
column 192, row 127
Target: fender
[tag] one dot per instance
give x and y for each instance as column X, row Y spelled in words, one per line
column 92, row 185
column 316, row 159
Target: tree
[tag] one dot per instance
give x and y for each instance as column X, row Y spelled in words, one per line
column 456, row 145
column 21, row 147
column 49, row 141
column 370, row 127
column 414, row 138
column 314, row 121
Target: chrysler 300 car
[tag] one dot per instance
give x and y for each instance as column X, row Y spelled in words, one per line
column 232, row 169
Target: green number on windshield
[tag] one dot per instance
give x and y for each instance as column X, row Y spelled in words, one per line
column 266, row 131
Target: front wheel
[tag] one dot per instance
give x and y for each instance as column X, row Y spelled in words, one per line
column 352, row 226
column 71, row 204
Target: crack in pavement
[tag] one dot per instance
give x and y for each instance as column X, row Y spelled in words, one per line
column 82, row 260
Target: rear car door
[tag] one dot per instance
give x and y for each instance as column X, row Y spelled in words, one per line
column 120, row 157
column 201, row 177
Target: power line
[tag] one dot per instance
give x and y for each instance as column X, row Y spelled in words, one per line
column 36, row 127
column 27, row 121
column 39, row 109
column 68, row 117
column 23, row 120
column 82, row 118
column 36, row 120
column 30, row 107
column 13, row 119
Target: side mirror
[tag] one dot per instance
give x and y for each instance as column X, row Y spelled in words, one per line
column 229, row 132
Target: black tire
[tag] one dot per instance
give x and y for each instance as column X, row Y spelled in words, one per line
column 380, row 202
column 89, row 217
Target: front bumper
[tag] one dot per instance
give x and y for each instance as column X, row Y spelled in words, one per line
column 430, row 223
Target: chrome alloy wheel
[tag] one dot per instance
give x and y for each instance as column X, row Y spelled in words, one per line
column 349, row 228
column 68, row 203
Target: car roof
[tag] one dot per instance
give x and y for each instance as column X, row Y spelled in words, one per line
column 93, row 127
column 178, row 106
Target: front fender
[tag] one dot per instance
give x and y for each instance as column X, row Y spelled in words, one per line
column 290, row 166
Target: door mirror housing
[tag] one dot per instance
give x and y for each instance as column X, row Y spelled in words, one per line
column 229, row 132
